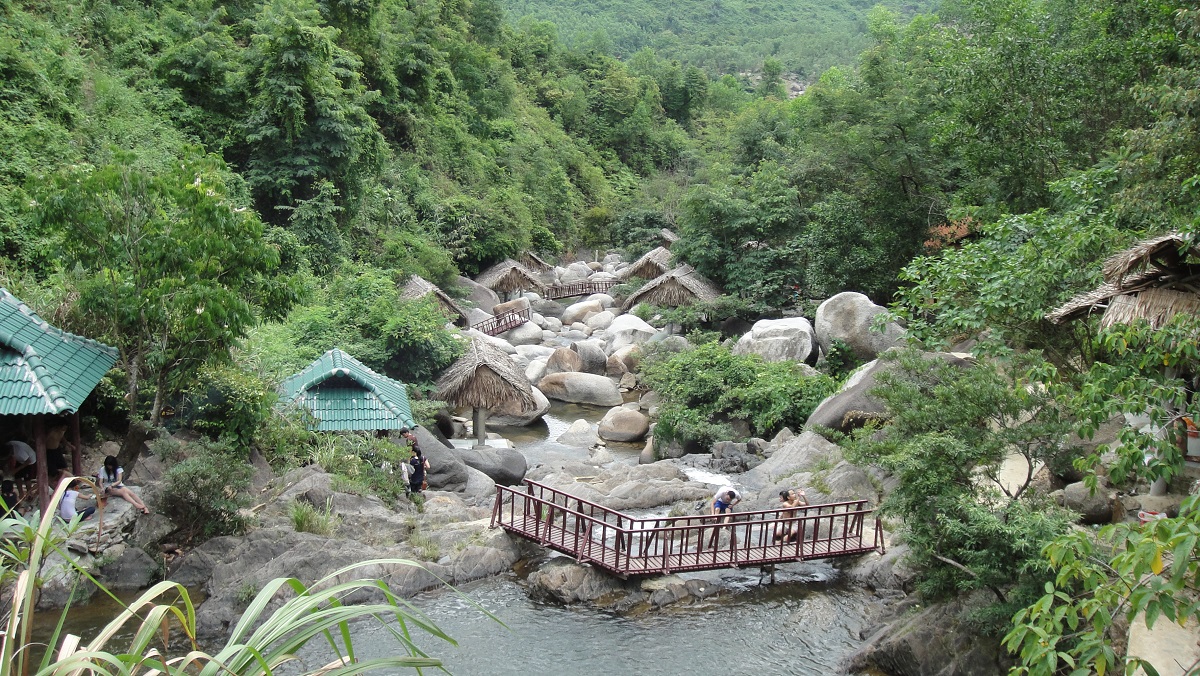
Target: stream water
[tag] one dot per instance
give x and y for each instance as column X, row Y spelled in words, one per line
column 804, row 623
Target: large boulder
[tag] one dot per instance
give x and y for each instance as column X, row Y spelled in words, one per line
column 600, row 320
column 581, row 388
column 505, row 466
column 591, row 355
column 581, row 433
column 796, row 455
column 628, row 330
column 849, row 317
column 779, row 340
column 939, row 640
column 446, row 471
column 511, row 414
column 852, row 406
column 518, row 305
column 536, row 370
column 579, row 311
column 525, row 334
column 482, row 297
column 1093, row 508
column 548, row 308
column 575, row 272
column 477, row 316
column 622, row 424
column 498, row 343
column 564, row 360
column 606, row 300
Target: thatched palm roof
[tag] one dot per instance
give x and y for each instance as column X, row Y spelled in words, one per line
column 1166, row 254
column 681, row 286
column 668, row 237
column 507, row 276
column 535, row 263
column 418, row 288
column 654, row 263
column 485, row 377
column 1151, row 280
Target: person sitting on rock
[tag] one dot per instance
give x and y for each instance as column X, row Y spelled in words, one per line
column 112, row 482
column 67, row 509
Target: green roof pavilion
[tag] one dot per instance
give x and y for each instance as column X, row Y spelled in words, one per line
column 343, row 394
column 45, row 371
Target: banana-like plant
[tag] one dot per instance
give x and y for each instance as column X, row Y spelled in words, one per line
column 258, row 644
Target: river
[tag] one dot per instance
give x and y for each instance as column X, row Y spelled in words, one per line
column 805, row 623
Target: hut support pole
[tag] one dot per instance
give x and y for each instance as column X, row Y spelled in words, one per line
column 76, row 446
column 43, row 477
column 479, row 420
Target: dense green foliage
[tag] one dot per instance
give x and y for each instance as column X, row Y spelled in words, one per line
column 706, row 388
column 225, row 191
column 724, row 37
column 950, row 428
column 204, row 492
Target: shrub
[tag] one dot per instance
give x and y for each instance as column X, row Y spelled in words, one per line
column 204, row 493
column 707, row 384
column 229, row 403
column 307, row 518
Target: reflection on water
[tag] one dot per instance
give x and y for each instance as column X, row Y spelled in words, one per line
column 801, row 626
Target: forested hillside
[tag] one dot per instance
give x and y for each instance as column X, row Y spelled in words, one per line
column 728, row 36
column 226, row 190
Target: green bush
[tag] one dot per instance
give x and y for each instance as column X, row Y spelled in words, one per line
column 230, row 404
column 707, row 385
column 307, row 518
column 204, row 493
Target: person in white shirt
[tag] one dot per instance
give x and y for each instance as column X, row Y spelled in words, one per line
column 112, row 482
column 67, row 509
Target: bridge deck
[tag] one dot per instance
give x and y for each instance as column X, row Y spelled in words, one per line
column 631, row 546
column 577, row 289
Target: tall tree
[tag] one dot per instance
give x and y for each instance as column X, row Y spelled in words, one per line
column 166, row 267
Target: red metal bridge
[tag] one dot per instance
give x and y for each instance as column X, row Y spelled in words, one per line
column 502, row 322
column 577, row 289
column 626, row 545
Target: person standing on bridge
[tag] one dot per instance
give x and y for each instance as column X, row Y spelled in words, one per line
column 723, row 503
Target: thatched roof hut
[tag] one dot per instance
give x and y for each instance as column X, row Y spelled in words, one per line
column 418, row 288
column 650, row 266
column 535, row 263
column 681, row 286
column 1152, row 280
column 668, row 237
column 508, row 276
column 484, row 378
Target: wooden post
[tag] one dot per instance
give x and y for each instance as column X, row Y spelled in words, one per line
column 45, row 490
column 480, row 423
column 76, row 443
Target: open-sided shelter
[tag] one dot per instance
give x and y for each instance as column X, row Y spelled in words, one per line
column 46, row 372
column 1153, row 280
column 508, row 276
column 483, row 378
column 535, row 263
column 651, row 265
column 681, row 286
column 342, row 394
column 417, row 288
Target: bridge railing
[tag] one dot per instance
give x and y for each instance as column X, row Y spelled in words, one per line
column 502, row 322
column 593, row 533
column 578, row 289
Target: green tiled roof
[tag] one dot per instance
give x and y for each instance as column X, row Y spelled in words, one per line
column 343, row 394
column 44, row 369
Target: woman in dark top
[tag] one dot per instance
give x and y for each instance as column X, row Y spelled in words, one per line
column 416, row 478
